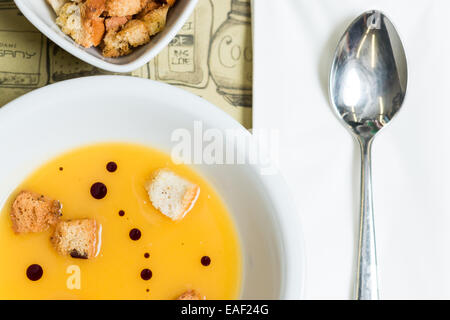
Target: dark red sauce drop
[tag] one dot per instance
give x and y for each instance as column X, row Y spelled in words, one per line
column 206, row 261
column 98, row 190
column 121, row 213
column 34, row 272
column 111, row 166
column 135, row 234
column 146, row 274
column 61, row 168
column 147, row 255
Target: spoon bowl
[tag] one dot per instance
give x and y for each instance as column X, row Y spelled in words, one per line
column 369, row 74
column 368, row 83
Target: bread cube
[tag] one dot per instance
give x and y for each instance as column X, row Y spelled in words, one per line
column 114, row 23
column 155, row 19
column 121, row 8
column 69, row 19
column 172, row 195
column 190, row 295
column 33, row 212
column 120, row 39
column 118, row 43
column 76, row 238
column 150, row 6
column 82, row 21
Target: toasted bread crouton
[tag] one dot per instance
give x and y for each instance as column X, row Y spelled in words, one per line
column 114, row 23
column 93, row 25
column 190, row 295
column 56, row 4
column 82, row 21
column 172, row 195
column 150, row 5
column 155, row 20
column 33, row 212
column 120, row 8
column 93, row 31
column 119, row 43
column 69, row 19
column 113, row 46
column 94, row 8
column 76, row 238
column 135, row 33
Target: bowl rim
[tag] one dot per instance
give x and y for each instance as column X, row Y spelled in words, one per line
column 286, row 211
column 82, row 54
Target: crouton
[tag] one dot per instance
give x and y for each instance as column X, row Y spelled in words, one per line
column 172, row 195
column 33, row 212
column 120, row 8
column 113, row 46
column 114, row 23
column 76, row 238
column 118, row 43
column 92, row 24
column 82, row 21
column 94, row 8
column 190, row 295
column 56, row 5
column 69, row 19
column 155, row 20
column 151, row 5
column 135, row 33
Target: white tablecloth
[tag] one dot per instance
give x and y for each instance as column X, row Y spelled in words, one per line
column 294, row 42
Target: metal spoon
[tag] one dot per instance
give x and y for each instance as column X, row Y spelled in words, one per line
column 367, row 86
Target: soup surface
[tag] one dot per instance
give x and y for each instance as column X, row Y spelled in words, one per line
column 200, row 252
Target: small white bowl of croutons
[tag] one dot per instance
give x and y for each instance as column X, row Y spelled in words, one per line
column 113, row 35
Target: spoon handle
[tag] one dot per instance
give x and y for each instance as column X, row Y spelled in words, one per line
column 367, row 278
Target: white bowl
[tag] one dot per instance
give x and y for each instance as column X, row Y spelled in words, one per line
column 59, row 117
column 40, row 14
